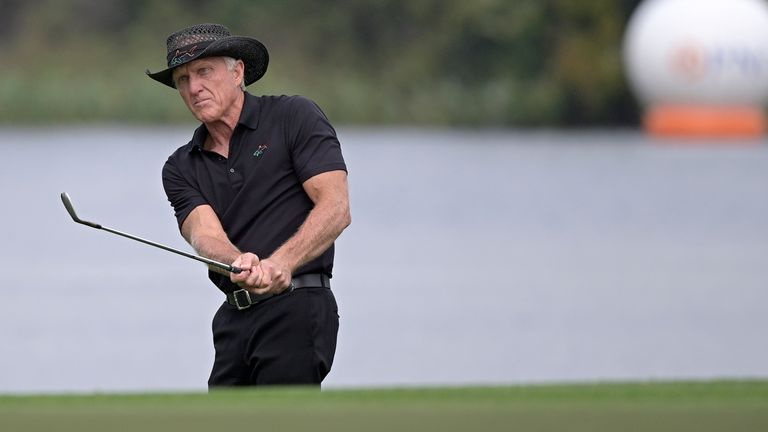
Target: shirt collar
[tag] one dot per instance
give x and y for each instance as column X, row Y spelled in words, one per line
column 249, row 117
column 198, row 139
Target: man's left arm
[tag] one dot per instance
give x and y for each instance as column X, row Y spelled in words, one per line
column 325, row 222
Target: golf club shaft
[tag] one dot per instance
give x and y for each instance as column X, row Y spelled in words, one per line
column 72, row 213
column 208, row 261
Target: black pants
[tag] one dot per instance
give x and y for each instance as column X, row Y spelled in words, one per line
column 288, row 339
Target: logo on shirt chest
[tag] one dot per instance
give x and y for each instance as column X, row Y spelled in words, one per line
column 260, row 151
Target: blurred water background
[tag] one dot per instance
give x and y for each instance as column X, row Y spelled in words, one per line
column 475, row 257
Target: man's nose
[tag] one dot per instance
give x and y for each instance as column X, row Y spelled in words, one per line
column 195, row 84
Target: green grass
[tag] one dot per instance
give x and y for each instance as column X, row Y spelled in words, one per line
column 686, row 406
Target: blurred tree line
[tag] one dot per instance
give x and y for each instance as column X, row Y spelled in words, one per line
column 436, row 62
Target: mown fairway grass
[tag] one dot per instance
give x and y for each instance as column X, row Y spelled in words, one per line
column 692, row 406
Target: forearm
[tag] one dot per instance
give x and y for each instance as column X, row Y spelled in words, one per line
column 323, row 225
column 215, row 248
column 203, row 231
column 327, row 219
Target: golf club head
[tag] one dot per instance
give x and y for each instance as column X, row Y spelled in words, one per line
column 71, row 210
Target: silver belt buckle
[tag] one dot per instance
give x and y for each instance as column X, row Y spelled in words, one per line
column 246, row 296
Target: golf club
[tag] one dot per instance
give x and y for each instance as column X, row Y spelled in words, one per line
column 71, row 210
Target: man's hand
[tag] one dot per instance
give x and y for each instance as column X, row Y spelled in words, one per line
column 261, row 276
column 275, row 276
column 248, row 278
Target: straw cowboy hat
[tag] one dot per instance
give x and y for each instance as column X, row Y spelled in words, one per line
column 212, row 40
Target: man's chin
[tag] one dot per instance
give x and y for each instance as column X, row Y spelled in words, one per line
column 204, row 116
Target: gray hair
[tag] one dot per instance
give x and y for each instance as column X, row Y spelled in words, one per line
column 231, row 62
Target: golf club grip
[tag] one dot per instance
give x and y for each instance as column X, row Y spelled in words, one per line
column 235, row 270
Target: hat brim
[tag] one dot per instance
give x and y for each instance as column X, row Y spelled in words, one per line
column 252, row 52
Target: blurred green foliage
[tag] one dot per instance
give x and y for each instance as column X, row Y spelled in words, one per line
column 423, row 62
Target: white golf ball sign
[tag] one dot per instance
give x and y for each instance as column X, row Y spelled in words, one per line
column 711, row 54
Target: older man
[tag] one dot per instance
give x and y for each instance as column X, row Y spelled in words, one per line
column 262, row 185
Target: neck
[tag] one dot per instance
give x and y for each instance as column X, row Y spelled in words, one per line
column 220, row 130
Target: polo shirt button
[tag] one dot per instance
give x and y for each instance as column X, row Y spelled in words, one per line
column 232, row 170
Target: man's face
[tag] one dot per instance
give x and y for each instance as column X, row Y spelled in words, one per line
column 208, row 88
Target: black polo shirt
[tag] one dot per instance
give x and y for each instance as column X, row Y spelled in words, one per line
column 279, row 143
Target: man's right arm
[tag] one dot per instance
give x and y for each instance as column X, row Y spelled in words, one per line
column 202, row 229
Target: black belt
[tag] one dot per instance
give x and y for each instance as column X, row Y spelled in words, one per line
column 243, row 299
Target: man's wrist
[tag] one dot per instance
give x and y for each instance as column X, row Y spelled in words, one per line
column 283, row 262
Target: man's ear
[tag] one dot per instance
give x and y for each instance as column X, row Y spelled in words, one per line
column 240, row 69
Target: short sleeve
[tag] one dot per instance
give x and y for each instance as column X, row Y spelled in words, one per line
column 181, row 194
column 314, row 147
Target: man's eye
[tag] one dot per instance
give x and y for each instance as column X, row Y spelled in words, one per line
column 205, row 70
